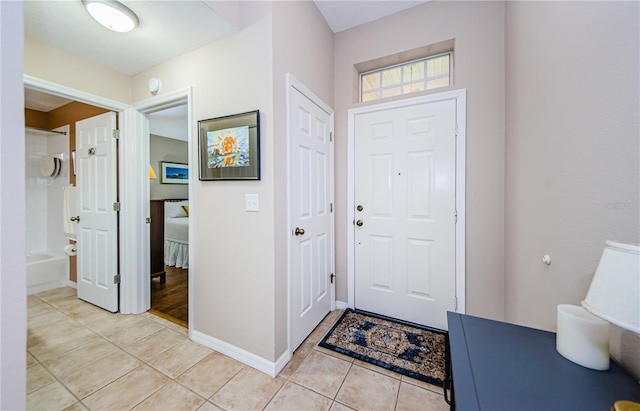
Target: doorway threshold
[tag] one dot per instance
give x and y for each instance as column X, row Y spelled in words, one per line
column 168, row 318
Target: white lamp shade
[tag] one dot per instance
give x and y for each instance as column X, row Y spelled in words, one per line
column 614, row 294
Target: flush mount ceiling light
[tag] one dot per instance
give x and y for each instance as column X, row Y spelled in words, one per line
column 112, row 14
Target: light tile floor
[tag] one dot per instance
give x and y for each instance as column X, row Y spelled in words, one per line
column 80, row 357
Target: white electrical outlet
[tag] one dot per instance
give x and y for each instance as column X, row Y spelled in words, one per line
column 252, row 202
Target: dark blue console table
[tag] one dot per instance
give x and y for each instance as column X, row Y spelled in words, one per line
column 499, row 366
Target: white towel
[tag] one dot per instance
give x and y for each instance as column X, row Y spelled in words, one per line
column 69, row 209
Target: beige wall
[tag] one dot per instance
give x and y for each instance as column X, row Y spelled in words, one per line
column 302, row 46
column 171, row 150
column 572, row 173
column 233, row 267
column 240, row 262
column 573, row 151
column 240, row 258
column 478, row 30
column 58, row 66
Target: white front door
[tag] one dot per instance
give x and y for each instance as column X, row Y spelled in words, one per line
column 310, row 213
column 405, row 237
column 97, row 233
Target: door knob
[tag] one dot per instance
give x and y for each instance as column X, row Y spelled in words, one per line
column 76, row 218
column 299, row 231
column 359, row 207
column 359, row 223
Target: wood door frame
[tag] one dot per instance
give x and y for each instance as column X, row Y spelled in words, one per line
column 294, row 84
column 460, row 96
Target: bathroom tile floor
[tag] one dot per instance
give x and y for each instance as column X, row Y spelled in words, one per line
column 81, row 357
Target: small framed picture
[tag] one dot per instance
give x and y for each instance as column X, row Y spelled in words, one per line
column 230, row 147
column 174, row 173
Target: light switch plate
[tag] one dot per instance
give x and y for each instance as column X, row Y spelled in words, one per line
column 252, row 202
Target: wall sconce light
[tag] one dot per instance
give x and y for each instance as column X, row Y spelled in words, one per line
column 112, row 14
column 152, row 173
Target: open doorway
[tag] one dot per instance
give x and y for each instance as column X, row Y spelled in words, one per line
column 169, row 212
column 47, row 235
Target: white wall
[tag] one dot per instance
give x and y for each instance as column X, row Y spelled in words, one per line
column 573, row 151
column 478, row 30
column 13, row 289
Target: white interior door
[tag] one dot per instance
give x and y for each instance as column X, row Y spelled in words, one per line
column 97, row 232
column 310, row 213
column 404, row 191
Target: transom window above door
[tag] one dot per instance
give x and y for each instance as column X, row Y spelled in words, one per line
column 409, row 77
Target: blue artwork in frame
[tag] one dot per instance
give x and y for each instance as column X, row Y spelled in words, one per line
column 174, row 173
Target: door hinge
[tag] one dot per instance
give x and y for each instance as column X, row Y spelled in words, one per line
column 332, row 276
column 331, row 207
column 456, row 129
column 331, row 136
column 116, row 279
column 456, row 299
column 455, row 217
column 116, row 206
column 116, row 134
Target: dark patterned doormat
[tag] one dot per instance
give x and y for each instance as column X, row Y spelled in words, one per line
column 409, row 349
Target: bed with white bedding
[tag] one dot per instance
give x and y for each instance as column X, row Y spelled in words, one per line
column 176, row 233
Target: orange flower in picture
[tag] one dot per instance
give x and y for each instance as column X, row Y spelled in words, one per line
column 229, row 145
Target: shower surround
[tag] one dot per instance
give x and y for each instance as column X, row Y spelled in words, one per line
column 47, row 265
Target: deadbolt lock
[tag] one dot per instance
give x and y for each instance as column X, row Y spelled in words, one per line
column 359, row 207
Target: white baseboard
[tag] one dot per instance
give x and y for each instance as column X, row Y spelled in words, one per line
column 252, row 360
column 72, row 284
column 341, row 305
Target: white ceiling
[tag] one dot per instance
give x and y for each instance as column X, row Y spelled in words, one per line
column 167, row 29
column 345, row 14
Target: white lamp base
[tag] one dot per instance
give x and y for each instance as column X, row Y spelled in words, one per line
column 582, row 337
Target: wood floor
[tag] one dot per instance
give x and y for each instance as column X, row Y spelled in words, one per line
column 171, row 299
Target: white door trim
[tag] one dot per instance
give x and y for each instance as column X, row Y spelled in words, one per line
column 293, row 83
column 37, row 84
column 135, row 188
column 460, row 96
column 134, row 285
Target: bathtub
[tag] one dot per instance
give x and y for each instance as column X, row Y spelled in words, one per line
column 46, row 270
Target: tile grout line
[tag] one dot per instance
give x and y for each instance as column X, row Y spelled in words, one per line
column 50, row 372
column 164, row 326
column 121, row 348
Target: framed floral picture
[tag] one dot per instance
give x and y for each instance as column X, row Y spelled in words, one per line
column 230, row 147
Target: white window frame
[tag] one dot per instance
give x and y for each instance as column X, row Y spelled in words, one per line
column 404, row 83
